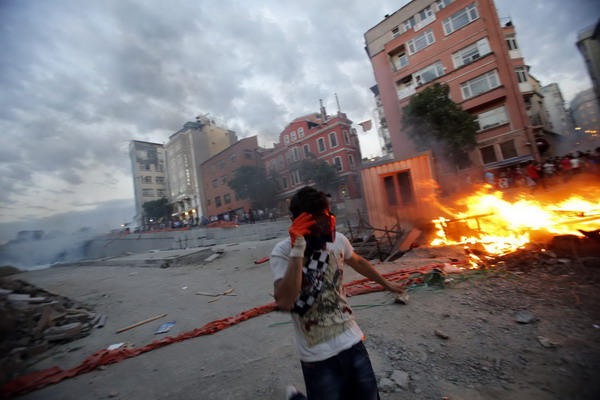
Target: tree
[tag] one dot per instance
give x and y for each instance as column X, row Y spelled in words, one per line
column 435, row 122
column 157, row 209
column 322, row 174
column 250, row 182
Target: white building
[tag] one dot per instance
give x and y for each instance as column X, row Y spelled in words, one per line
column 560, row 121
column 149, row 176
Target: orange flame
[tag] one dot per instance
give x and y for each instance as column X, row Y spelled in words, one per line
column 501, row 226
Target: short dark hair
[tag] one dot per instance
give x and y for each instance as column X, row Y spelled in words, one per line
column 308, row 200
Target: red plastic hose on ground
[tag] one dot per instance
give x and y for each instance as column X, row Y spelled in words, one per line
column 40, row 379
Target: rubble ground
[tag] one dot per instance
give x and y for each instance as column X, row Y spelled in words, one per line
column 528, row 329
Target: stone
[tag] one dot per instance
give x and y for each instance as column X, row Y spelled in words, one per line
column 401, row 378
column 386, row 385
column 524, row 317
column 63, row 332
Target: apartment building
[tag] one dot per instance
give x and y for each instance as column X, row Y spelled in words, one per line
column 588, row 43
column 554, row 103
column 218, row 170
column 186, row 150
column 329, row 138
column 460, row 43
column 149, row 175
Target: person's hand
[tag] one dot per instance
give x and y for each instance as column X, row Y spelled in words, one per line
column 394, row 287
column 299, row 228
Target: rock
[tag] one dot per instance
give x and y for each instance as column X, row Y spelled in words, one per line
column 401, row 378
column 386, row 385
column 524, row 317
column 113, row 394
column 547, row 343
column 441, row 334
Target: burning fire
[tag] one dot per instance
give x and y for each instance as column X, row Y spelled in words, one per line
column 501, row 226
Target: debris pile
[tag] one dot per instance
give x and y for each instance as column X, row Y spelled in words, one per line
column 32, row 320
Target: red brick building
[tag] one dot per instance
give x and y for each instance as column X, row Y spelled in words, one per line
column 219, row 169
column 460, row 43
column 316, row 137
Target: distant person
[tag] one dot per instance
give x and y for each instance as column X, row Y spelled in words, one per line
column 307, row 273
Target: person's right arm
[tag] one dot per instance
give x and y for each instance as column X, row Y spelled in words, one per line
column 287, row 288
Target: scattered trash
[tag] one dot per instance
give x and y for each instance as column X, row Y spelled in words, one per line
column 262, row 260
column 184, row 287
column 596, row 326
column 140, row 323
column 213, row 300
column 113, row 394
column 225, row 293
column 401, row 298
column 166, row 327
column 441, row 334
column 115, row 346
column 101, row 321
column 213, row 257
column 547, row 343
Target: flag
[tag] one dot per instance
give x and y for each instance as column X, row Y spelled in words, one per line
column 366, row 125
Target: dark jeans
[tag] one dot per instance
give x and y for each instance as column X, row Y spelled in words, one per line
column 348, row 375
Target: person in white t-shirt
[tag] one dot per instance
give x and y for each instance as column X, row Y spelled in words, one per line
column 308, row 280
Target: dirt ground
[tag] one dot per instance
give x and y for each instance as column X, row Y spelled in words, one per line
column 487, row 355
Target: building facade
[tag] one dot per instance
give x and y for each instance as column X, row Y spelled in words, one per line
column 186, row 150
column 585, row 111
column 554, row 103
column 317, row 137
column 149, row 174
column 218, row 170
column 588, row 43
column 460, row 43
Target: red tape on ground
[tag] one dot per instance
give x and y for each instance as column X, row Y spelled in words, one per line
column 40, row 379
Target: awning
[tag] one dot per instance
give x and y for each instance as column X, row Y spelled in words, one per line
column 508, row 162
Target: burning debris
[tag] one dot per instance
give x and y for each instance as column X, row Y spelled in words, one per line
column 33, row 320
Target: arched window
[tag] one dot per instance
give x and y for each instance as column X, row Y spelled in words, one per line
column 293, row 136
column 300, row 133
column 286, row 139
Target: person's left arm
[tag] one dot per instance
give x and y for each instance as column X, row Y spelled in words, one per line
column 364, row 267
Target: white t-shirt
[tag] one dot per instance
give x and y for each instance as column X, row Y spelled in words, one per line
column 339, row 250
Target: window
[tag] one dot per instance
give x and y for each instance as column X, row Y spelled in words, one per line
column 333, row 140
column 395, row 32
column 409, row 23
column 429, row 73
column 443, row 3
column 227, row 198
column 145, row 167
column 306, row 149
column 286, row 139
column 496, row 116
column 321, row 144
column 224, row 180
column 213, row 168
column 351, row 161
column 218, row 201
column 248, row 154
column 399, row 186
column 161, row 192
column 471, row 53
column 508, row 149
column 421, row 41
column 426, row 12
column 488, row 154
column 221, row 164
column 346, row 137
column 146, row 179
column 480, row 84
column 296, row 153
column 208, row 201
column 295, row 177
column 337, row 162
column 521, row 74
column 215, row 183
column 460, row 19
column 300, row 133
column 147, row 192
column 280, row 162
column 160, row 179
column 289, row 155
column 511, row 41
column 160, row 167
column 400, row 61
column 284, row 182
column 293, row 136
column 232, row 158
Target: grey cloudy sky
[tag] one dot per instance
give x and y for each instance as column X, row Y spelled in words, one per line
column 80, row 79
